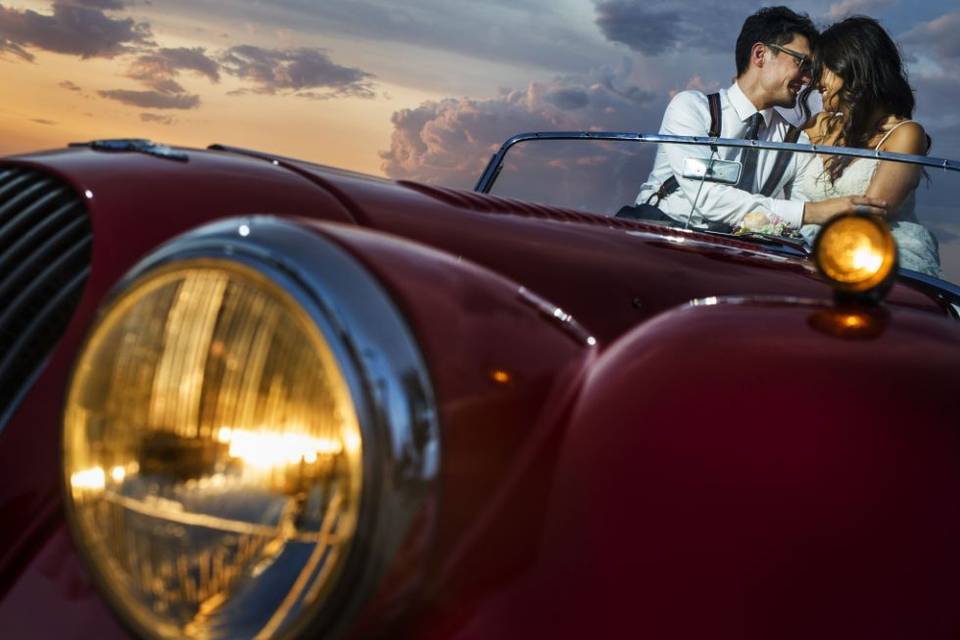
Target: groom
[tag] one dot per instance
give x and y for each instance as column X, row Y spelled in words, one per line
column 773, row 63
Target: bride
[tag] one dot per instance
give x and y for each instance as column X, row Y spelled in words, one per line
column 867, row 104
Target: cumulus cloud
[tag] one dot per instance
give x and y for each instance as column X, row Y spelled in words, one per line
column 156, row 117
column 159, row 69
column 152, row 99
column 69, row 86
column 653, row 27
column 450, row 141
column 304, row 72
column 846, row 8
column 937, row 37
column 936, row 83
column 699, row 84
column 74, row 29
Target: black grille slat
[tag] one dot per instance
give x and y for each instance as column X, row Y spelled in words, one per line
column 12, row 206
column 30, row 268
column 7, row 174
column 45, row 253
column 14, row 185
column 11, row 255
column 26, row 216
column 52, row 318
column 22, row 302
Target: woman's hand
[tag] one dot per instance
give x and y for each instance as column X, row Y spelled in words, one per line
column 755, row 220
column 821, row 212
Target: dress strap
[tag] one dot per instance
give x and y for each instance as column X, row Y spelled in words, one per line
column 887, row 134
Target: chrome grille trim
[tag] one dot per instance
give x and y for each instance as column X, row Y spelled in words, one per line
column 46, row 245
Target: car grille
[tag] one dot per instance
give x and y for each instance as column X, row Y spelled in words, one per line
column 45, row 252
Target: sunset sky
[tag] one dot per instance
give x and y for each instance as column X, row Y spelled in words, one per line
column 420, row 89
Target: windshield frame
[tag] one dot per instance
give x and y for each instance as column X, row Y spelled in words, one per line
column 947, row 293
column 492, row 171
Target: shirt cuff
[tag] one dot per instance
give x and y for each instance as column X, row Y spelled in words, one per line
column 790, row 211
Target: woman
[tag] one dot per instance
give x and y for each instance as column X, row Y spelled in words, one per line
column 867, row 103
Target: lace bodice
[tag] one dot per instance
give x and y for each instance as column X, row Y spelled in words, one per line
column 813, row 184
column 917, row 247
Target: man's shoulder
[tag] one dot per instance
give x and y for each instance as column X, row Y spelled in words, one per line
column 689, row 98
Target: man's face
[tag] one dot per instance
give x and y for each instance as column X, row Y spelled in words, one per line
column 784, row 74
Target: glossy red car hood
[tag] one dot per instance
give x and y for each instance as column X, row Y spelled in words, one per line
column 611, row 275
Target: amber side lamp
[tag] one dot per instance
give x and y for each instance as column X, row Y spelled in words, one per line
column 857, row 255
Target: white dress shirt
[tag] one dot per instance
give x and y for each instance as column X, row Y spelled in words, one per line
column 688, row 114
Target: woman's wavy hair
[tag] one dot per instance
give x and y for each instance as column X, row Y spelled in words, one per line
column 863, row 55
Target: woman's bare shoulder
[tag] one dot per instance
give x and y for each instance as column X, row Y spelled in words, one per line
column 906, row 136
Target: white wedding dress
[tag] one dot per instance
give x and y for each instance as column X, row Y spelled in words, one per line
column 917, row 247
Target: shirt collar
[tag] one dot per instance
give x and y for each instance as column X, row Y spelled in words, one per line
column 744, row 108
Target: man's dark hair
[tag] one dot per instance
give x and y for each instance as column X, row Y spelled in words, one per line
column 774, row 25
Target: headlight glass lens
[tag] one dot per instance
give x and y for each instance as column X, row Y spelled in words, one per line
column 857, row 253
column 212, row 454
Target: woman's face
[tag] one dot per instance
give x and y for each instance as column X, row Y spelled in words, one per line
column 830, row 85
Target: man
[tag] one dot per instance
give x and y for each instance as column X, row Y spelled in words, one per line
column 772, row 57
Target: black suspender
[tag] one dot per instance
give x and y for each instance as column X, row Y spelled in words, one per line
column 716, row 115
column 780, row 166
column 670, row 185
column 716, row 123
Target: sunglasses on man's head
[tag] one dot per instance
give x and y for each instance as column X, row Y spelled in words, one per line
column 801, row 60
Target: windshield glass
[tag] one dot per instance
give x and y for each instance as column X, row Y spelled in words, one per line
column 778, row 190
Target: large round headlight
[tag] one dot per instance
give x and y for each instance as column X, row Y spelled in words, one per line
column 857, row 254
column 212, row 453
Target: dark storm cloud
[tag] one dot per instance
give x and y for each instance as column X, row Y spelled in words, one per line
column 635, row 25
column 568, row 98
column 305, row 72
column 159, row 69
column 656, row 27
column 152, row 99
column 72, row 29
column 156, row 117
column 105, row 5
column 534, row 32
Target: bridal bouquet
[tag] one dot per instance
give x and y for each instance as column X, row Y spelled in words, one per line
column 766, row 223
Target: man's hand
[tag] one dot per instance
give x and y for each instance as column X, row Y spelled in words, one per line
column 821, row 212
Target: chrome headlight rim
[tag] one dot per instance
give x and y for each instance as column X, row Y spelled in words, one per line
column 378, row 357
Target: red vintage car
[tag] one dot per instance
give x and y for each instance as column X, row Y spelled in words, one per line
column 245, row 396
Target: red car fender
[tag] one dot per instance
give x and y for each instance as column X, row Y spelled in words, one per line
column 506, row 371
column 709, row 486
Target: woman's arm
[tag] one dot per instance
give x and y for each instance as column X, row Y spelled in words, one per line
column 893, row 181
column 821, row 211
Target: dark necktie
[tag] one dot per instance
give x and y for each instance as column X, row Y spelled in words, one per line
column 749, row 155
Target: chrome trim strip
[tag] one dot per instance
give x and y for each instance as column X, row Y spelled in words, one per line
column 496, row 162
column 563, row 319
column 944, row 292
column 714, row 301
